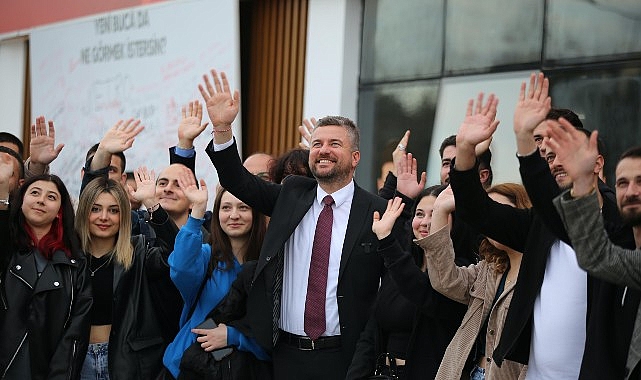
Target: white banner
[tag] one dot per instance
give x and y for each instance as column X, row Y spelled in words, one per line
column 144, row 62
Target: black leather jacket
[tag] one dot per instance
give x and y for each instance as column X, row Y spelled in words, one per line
column 138, row 340
column 50, row 313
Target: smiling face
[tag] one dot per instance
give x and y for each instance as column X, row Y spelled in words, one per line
column 104, row 217
column 235, row 216
column 41, row 204
column 332, row 159
column 168, row 192
column 628, row 189
column 422, row 220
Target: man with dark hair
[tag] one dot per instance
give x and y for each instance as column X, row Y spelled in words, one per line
column 12, row 142
column 540, row 132
column 115, row 169
column 581, row 213
column 588, row 332
column 448, row 153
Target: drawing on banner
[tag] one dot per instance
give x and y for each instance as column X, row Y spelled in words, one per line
column 143, row 63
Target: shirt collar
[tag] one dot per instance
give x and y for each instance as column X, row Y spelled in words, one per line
column 340, row 196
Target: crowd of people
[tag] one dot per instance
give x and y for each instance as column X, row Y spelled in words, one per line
column 299, row 273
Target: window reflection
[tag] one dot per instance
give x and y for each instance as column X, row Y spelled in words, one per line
column 606, row 100
column 401, row 39
column 385, row 113
column 583, row 29
column 490, row 33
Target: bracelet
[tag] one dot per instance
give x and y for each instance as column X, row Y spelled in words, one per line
column 220, row 130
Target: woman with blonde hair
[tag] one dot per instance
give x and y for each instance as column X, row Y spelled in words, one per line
column 126, row 340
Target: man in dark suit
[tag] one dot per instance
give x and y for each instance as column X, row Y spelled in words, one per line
column 278, row 305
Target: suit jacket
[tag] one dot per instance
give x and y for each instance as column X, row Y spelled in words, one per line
column 600, row 257
column 360, row 269
column 533, row 231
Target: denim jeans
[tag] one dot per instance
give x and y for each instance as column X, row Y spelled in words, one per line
column 96, row 366
column 477, row 373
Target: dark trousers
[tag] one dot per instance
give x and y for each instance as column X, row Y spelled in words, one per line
column 291, row 363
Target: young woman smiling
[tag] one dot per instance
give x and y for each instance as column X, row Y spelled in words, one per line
column 126, row 340
column 44, row 290
column 203, row 273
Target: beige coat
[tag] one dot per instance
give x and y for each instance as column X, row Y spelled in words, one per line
column 476, row 286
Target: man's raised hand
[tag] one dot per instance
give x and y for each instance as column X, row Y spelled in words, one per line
column 222, row 107
column 190, row 126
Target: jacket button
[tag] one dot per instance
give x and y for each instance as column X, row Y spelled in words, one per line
column 56, row 283
column 268, row 258
column 18, row 267
column 491, row 331
column 472, row 288
column 489, row 360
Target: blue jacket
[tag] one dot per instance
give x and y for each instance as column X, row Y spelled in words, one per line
column 188, row 264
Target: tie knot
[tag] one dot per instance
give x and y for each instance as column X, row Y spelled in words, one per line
column 328, row 200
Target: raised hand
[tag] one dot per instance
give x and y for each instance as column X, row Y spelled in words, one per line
column 406, row 174
column 145, row 187
column 399, row 152
column 382, row 226
column 190, row 125
column 197, row 196
column 443, row 207
column 477, row 127
column 121, row 136
column 222, row 107
column 578, row 154
column 42, row 145
column 480, row 121
column 305, row 131
column 533, row 105
column 211, row 339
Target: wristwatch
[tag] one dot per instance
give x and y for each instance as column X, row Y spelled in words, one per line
column 4, row 202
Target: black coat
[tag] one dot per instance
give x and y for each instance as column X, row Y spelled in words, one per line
column 435, row 318
column 360, row 270
column 51, row 312
column 138, row 341
column 533, row 231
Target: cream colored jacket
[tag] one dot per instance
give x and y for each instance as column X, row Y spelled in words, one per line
column 476, row 286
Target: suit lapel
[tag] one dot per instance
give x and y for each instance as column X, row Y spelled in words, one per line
column 359, row 215
column 296, row 210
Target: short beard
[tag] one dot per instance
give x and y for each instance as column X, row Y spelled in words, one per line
column 335, row 175
column 631, row 218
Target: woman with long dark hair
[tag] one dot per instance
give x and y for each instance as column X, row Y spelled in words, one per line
column 44, row 289
column 203, row 273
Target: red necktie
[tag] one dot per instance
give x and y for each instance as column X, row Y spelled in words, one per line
column 317, row 282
